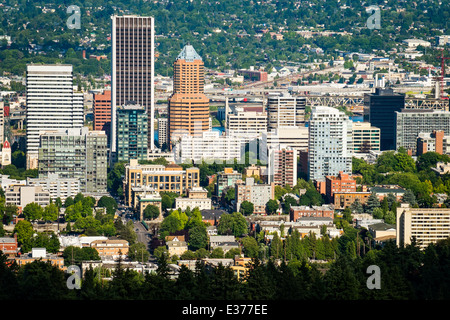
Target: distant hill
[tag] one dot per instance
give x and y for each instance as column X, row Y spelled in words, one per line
column 39, row 31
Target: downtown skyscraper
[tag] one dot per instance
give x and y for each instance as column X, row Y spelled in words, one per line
column 52, row 104
column 330, row 143
column 188, row 105
column 133, row 63
column 379, row 110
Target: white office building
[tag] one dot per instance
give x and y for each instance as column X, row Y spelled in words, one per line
column 246, row 124
column 211, row 146
column 284, row 110
column 330, row 143
column 163, row 133
column 293, row 137
column 52, row 104
column 57, row 187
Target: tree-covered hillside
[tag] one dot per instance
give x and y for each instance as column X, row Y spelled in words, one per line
column 39, row 32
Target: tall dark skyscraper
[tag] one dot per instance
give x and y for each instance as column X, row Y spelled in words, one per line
column 380, row 108
column 132, row 80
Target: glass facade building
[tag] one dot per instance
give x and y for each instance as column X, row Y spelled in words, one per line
column 379, row 110
column 75, row 153
column 132, row 133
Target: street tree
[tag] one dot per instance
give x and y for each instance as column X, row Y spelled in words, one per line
column 271, row 206
column 246, row 208
column 33, row 211
column 151, row 212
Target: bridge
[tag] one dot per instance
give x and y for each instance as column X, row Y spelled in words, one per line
column 353, row 101
column 329, row 100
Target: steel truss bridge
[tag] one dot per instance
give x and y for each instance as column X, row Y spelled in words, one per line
column 351, row 101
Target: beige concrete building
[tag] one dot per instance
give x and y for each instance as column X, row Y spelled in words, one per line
column 285, row 110
column 111, row 248
column 365, row 137
column 426, row 225
column 23, row 195
column 143, row 197
column 294, row 137
column 256, row 172
column 258, row 194
column 171, row 178
column 196, row 198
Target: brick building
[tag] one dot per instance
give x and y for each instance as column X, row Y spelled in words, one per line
column 435, row 141
column 102, row 111
column 346, row 199
column 42, row 255
column 325, row 211
column 9, row 246
column 343, row 182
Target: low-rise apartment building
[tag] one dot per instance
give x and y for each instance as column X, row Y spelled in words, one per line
column 226, row 178
column 343, row 200
column 9, row 246
column 176, row 246
column 343, row 182
column 425, row 225
column 435, row 141
column 111, row 249
column 258, row 194
column 324, row 211
column 57, row 187
column 196, row 198
column 23, row 195
column 225, row 242
column 42, row 255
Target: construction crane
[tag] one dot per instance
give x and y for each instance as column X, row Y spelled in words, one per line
column 441, row 77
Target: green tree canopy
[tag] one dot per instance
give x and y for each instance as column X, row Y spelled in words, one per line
column 234, row 224
column 251, row 247
column 51, row 212
column 246, row 208
column 271, row 206
column 24, row 231
column 151, row 212
column 33, row 211
column 198, row 237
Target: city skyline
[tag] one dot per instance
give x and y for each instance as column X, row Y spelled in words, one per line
column 273, row 150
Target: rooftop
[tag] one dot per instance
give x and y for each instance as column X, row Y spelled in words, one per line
column 189, row 54
column 382, row 226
